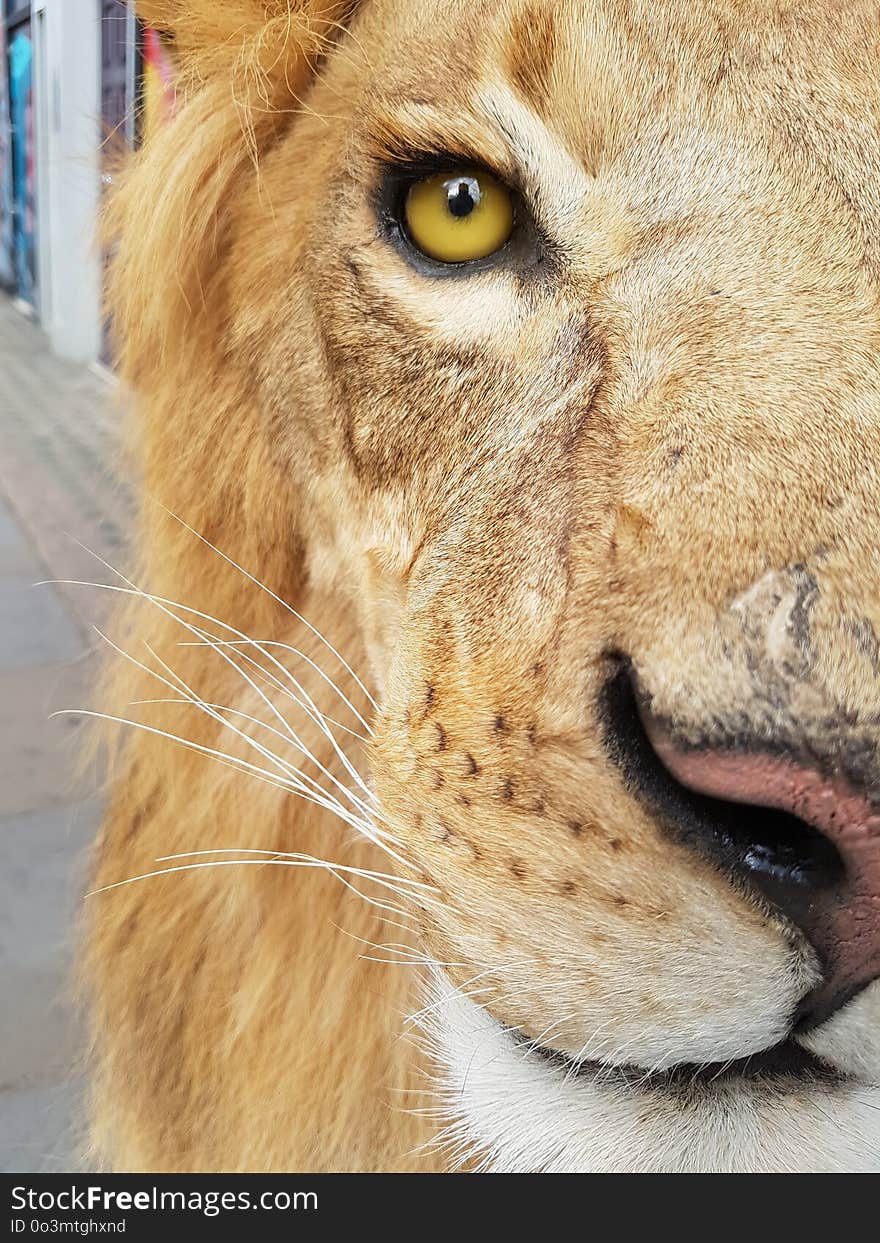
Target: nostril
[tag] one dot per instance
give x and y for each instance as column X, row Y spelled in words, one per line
column 779, row 810
column 810, row 845
column 780, row 851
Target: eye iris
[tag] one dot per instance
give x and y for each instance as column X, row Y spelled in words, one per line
column 458, row 218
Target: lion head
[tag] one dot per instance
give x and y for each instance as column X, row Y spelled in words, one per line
column 511, row 374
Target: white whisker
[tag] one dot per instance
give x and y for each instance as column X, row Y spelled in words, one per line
column 196, row 699
column 138, row 703
column 294, row 776
column 417, row 1017
column 307, row 703
column 295, row 651
column 166, row 606
column 292, row 854
column 223, row 756
column 278, row 600
column 339, row 871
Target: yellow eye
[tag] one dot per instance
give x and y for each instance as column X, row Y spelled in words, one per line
column 455, row 217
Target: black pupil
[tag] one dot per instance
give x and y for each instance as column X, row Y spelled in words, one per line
column 463, row 195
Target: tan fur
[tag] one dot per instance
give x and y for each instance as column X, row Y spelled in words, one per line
column 477, row 490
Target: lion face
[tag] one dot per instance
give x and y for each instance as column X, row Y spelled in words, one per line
column 604, row 504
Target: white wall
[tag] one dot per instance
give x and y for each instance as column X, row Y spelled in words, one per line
column 67, row 62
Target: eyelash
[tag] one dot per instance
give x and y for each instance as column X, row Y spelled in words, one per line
column 405, row 173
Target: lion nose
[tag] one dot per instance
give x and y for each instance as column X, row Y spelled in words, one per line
column 807, row 839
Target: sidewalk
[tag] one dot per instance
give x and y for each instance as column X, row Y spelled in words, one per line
column 57, row 445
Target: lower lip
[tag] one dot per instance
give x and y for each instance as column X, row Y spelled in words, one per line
column 784, row 1063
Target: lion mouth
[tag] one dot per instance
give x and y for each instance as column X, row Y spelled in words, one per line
column 786, row 1064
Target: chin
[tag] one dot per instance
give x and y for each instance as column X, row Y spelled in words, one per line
column 512, row 1106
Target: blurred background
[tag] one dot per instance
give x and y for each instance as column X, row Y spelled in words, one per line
column 81, row 81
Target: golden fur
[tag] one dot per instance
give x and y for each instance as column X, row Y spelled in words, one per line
column 476, row 491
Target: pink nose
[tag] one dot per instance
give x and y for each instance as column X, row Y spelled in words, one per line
column 840, row 915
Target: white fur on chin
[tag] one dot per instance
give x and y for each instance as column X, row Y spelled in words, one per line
column 511, row 1110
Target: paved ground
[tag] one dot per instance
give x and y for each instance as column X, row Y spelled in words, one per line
column 57, row 451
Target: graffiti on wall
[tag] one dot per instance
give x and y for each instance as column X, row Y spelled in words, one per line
column 21, row 112
column 7, row 272
column 158, row 84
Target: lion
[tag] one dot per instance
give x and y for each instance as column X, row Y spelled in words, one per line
column 503, row 789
